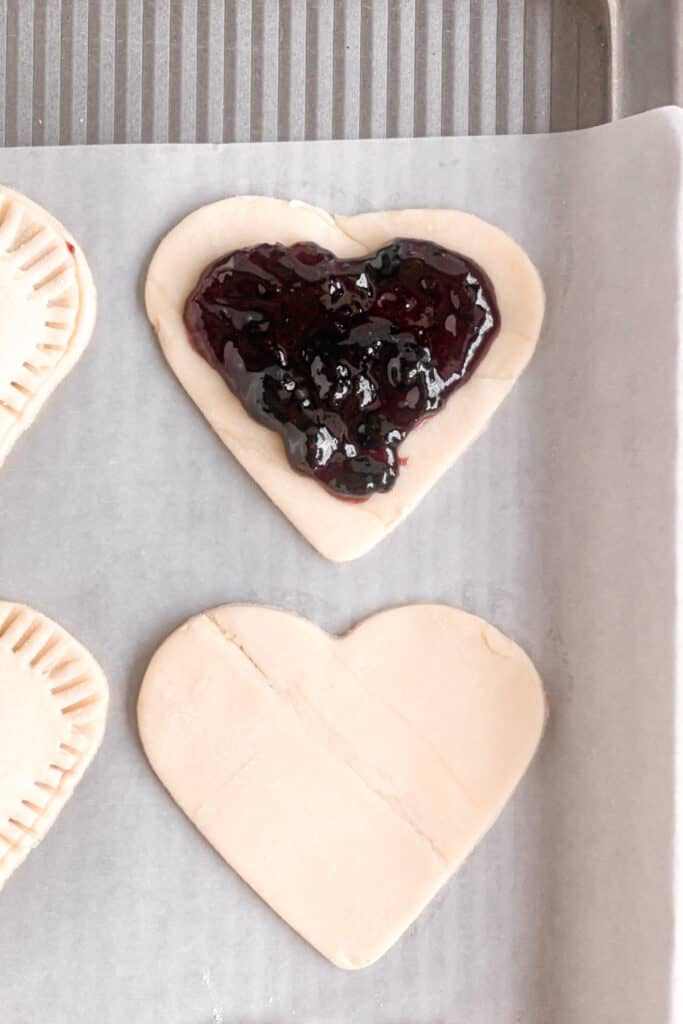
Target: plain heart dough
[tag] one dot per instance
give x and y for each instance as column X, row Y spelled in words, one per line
column 47, row 310
column 344, row 779
column 342, row 530
column 53, row 703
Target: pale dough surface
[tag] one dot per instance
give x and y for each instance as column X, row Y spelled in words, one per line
column 342, row 530
column 344, row 779
column 47, row 310
column 53, row 705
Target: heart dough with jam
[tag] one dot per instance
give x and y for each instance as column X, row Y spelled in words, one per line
column 344, row 778
column 407, row 467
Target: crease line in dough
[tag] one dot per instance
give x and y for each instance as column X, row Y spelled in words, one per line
column 235, row 642
column 423, row 739
column 394, row 804
column 229, row 781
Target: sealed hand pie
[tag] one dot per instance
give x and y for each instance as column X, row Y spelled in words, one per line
column 53, row 704
column 345, row 779
column 316, row 346
column 47, row 307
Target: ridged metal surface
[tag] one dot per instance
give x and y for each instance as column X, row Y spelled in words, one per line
column 78, row 71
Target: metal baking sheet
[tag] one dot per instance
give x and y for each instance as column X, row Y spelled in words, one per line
column 77, row 71
column 121, row 513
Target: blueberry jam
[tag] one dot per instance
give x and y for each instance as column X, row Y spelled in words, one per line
column 343, row 357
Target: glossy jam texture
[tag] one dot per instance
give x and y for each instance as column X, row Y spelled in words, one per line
column 343, row 357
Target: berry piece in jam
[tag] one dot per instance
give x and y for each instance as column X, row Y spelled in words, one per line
column 343, row 357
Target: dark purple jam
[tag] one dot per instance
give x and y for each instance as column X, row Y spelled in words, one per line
column 343, row 357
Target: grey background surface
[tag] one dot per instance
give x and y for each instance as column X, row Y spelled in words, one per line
column 121, row 514
column 76, row 71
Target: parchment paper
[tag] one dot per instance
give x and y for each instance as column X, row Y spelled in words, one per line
column 121, row 514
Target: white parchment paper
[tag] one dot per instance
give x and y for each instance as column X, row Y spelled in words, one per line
column 121, row 514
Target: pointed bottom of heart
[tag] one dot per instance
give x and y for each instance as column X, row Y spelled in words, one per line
column 344, row 778
column 53, row 702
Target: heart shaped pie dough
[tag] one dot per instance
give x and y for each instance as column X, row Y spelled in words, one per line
column 344, row 779
column 343, row 530
column 47, row 310
column 53, row 703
